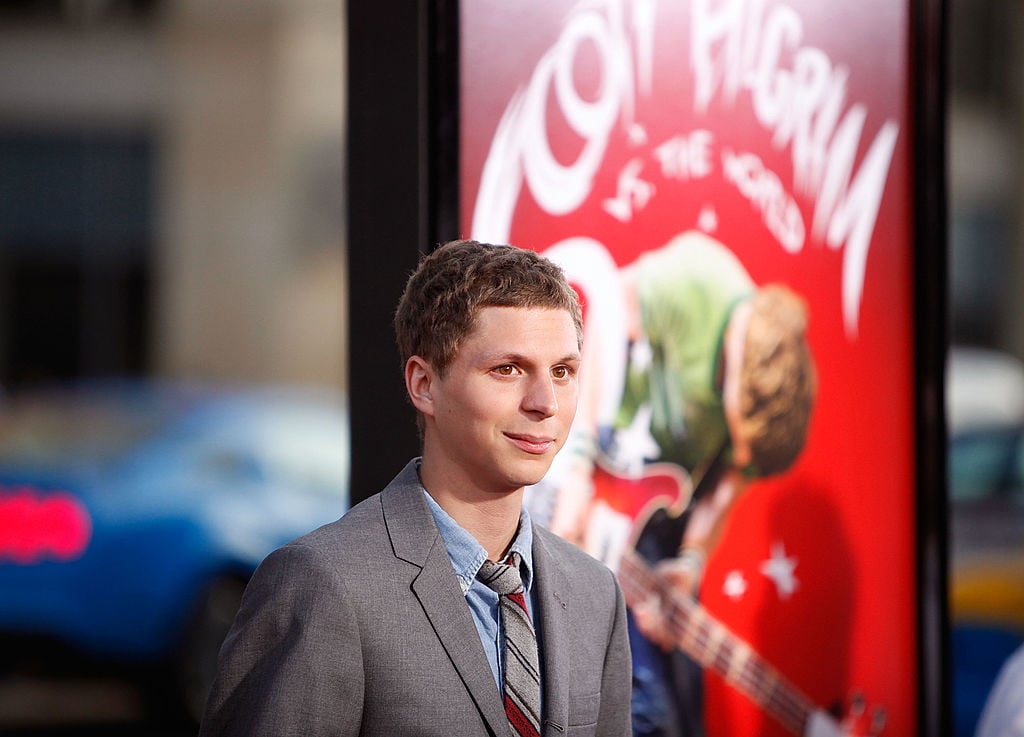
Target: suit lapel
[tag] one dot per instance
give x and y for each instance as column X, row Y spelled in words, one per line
column 552, row 590
column 415, row 539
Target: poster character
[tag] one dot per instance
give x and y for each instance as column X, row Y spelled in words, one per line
column 718, row 390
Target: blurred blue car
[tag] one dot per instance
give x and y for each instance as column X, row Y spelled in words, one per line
column 131, row 515
column 985, row 400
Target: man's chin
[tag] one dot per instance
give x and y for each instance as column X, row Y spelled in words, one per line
column 535, row 474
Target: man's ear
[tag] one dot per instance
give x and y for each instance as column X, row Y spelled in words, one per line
column 419, row 378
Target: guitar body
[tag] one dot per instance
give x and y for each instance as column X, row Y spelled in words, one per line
column 636, row 521
column 661, row 486
column 628, row 511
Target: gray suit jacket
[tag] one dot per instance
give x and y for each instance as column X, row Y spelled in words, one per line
column 360, row 628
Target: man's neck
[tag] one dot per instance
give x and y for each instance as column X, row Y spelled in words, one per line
column 492, row 519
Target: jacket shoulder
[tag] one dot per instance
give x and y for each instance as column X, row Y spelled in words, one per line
column 571, row 558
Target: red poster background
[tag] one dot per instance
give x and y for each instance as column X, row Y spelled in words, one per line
column 846, row 510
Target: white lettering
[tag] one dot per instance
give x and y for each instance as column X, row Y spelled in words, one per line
column 686, row 157
column 737, row 47
column 631, row 192
column 850, row 208
column 801, row 104
column 773, row 85
column 643, row 29
column 709, row 30
column 521, row 151
column 764, row 189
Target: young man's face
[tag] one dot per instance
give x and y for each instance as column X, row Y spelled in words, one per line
column 503, row 410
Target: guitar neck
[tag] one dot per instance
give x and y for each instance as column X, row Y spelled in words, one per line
column 715, row 647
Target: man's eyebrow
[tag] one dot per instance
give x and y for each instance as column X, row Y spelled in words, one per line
column 515, row 357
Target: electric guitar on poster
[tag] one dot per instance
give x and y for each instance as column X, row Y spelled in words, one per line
column 660, row 494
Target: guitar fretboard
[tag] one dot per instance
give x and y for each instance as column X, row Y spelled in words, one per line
column 715, row 647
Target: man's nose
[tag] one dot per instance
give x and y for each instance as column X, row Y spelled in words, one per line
column 541, row 397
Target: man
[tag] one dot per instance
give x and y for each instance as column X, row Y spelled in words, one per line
column 381, row 623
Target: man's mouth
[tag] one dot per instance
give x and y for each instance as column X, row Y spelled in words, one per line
column 531, row 443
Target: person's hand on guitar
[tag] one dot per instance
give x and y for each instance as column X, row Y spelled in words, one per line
column 679, row 575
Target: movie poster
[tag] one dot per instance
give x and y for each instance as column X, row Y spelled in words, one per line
column 726, row 184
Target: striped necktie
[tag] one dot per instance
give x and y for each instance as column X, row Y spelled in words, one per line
column 522, row 666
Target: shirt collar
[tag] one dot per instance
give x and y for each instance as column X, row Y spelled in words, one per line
column 467, row 555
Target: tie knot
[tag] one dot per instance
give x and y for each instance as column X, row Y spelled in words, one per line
column 502, row 578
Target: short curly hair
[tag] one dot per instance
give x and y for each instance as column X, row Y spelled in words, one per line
column 778, row 381
column 443, row 296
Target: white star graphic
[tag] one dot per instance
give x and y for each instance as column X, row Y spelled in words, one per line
column 635, row 444
column 779, row 568
column 735, row 585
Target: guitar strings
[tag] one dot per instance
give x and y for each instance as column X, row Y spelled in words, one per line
column 708, row 642
column 694, row 634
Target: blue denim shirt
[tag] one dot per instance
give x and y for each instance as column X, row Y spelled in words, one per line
column 467, row 555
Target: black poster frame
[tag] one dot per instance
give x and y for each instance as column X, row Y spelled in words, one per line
column 928, row 87
column 403, row 199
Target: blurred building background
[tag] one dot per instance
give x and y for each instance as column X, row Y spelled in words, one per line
column 171, row 206
column 171, row 190
column 986, row 179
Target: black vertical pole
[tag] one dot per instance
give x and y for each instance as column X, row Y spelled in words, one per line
column 401, row 189
column 928, row 83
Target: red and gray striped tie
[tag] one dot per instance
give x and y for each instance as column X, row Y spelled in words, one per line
column 522, row 666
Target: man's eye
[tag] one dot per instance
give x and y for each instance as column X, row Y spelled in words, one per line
column 561, row 372
column 506, row 370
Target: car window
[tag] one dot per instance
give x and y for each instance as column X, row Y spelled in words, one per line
column 985, row 463
column 281, row 443
column 306, row 451
column 1016, row 487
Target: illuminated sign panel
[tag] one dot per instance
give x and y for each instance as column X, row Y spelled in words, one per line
column 679, row 159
